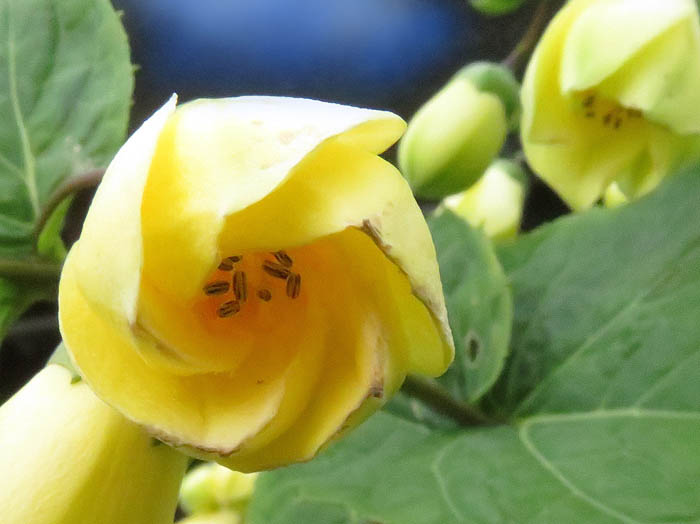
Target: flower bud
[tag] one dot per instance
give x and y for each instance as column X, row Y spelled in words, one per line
column 495, row 202
column 253, row 280
column 612, row 94
column 66, row 458
column 453, row 138
column 210, row 487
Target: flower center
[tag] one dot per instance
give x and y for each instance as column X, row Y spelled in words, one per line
column 244, row 282
column 607, row 112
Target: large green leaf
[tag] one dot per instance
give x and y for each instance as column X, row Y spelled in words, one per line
column 479, row 305
column 602, row 394
column 608, row 467
column 64, row 106
column 64, row 103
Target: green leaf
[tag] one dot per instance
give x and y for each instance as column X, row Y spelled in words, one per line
column 64, row 106
column 601, row 390
column 607, row 309
column 609, row 467
column 64, row 103
column 479, row 305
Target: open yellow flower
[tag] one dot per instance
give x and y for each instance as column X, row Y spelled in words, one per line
column 612, row 94
column 252, row 279
column 66, row 458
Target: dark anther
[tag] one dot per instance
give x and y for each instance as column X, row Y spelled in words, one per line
column 264, row 294
column 228, row 309
column 216, row 288
column 283, row 258
column 293, row 285
column 276, row 270
column 240, row 286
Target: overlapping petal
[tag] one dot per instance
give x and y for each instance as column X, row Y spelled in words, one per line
column 249, row 177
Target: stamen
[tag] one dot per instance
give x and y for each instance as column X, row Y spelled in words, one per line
column 264, row 294
column 590, row 114
column 216, row 288
column 228, row 309
column 283, row 258
column 226, row 265
column 293, row 285
column 234, row 259
column 618, row 123
column 608, row 118
column 588, row 102
column 275, row 270
column 240, row 287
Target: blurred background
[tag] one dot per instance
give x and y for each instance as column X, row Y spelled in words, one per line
column 383, row 54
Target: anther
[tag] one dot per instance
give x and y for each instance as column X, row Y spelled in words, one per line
column 228, row 309
column 216, row 288
column 588, row 102
column 293, row 285
column 283, row 258
column 234, row 259
column 264, row 294
column 275, row 270
column 618, row 123
column 590, row 114
column 607, row 118
column 226, row 265
column 240, row 287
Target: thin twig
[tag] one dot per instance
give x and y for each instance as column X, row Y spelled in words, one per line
column 66, row 188
column 520, row 54
column 438, row 398
column 29, row 268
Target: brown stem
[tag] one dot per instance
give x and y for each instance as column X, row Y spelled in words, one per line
column 66, row 188
column 438, row 398
column 517, row 58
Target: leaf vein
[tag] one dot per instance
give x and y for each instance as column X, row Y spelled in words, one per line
column 570, row 486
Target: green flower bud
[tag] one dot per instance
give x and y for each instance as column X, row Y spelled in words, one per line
column 612, row 94
column 496, row 7
column 209, row 488
column 453, row 138
column 66, row 458
column 495, row 202
column 497, row 80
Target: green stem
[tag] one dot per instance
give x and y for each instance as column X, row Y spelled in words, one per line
column 64, row 190
column 29, row 268
column 520, row 54
column 438, row 398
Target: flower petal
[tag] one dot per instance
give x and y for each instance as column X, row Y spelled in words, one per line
column 216, row 411
column 110, row 258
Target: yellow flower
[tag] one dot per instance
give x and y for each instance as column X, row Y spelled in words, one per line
column 453, row 138
column 495, row 203
column 612, row 94
column 67, row 458
column 209, row 488
column 252, row 279
column 217, row 517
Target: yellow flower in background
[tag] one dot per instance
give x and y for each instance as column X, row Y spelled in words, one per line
column 66, row 458
column 217, row 517
column 210, row 488
column 252, row 280
column 495, row 203
column 612, row 94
